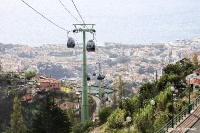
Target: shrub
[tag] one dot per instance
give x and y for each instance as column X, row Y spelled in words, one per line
column 83, row 127
column 104, row 113
column 115, row 120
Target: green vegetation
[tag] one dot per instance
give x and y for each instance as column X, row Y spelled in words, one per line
column 104, row 113
column 83, row 127
column 51, row 119
column 16, row 120
column 145, row 116
column 121, row 89
column 67, row 90
column 115, row 121
column 30, row 74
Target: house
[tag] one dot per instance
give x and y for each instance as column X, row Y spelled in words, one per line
column 194, row 79
column 27, row 98
column 49, row 83
column 30, row 93
column 70, row 105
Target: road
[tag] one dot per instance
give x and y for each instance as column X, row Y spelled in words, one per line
column 195, row 128
column 97, row 100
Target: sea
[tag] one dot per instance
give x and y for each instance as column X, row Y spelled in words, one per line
column 151, row 21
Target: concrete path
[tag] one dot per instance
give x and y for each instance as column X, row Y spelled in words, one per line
column 195, row 128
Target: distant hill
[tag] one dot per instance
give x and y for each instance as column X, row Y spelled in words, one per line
column 55, row 71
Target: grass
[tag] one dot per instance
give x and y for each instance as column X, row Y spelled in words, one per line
column 67, row 90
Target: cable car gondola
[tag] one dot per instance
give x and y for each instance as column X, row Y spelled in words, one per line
column 94, row 74
column 88, row 78
column 90, row 46
column 100, row 77
column 70, row 43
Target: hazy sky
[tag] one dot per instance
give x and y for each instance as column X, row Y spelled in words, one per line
column 126, row 21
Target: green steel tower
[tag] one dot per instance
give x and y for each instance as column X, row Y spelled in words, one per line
column 84, row 107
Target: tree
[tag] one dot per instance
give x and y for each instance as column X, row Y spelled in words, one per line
column 114, row 97
column 104, row 113
column 83, row 127
column 70, row 96
column 174, row 78
column 72, row 115
column 51, row 119
column 121, row 88
column 148, row 90
column 173, row 68
column 16, row 120
column 131, row 105
column 195, row 59
column 187, row 65
column 30, row 74
column 115, row 121
column 160, row 120
column 142, row 120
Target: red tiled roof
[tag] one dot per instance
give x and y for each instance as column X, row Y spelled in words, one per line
column 195, row 81
column 27, row 97
column 49, row 80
